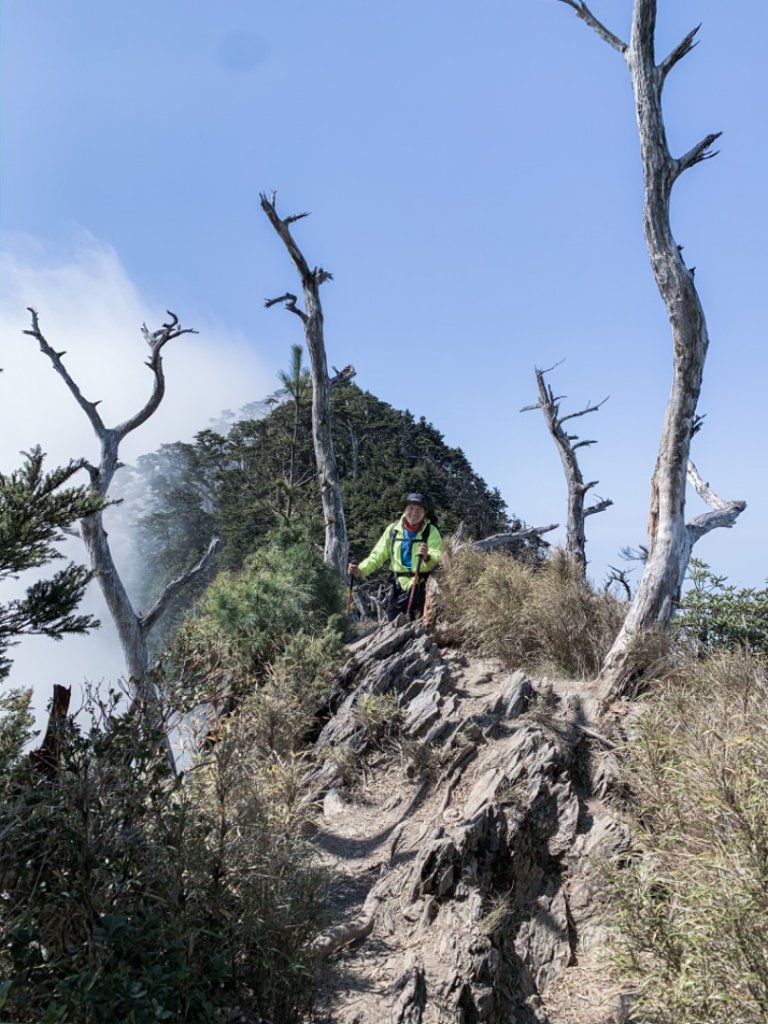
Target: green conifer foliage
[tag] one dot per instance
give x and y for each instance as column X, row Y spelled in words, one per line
column 35, row 508
column 260, row 477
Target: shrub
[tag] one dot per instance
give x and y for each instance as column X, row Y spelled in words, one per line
column 378, row 714
column 283, row 711
column 694, row 905
column 537, row 617
column 282, row 597
column 716, row 615
column 130, row 894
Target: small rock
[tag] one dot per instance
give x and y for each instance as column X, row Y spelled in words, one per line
column 332, row 804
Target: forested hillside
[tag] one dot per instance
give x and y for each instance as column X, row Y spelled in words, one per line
column 258, row 480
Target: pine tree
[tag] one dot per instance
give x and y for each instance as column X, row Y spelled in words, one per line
column 35, row 510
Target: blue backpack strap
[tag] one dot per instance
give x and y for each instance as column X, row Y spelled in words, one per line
column 422, row 540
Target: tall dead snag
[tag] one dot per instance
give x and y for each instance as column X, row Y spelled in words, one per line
column 670, row 538
column 133, row 629
column 575, row 536
column 336, row 544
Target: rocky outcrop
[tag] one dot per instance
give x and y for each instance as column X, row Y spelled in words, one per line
column 466, row 859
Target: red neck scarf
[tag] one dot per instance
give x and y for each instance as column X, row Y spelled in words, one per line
column 410, row 526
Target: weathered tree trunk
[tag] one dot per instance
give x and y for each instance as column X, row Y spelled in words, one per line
column 132, row 629
column 46, row 757
column 670, row 539
column 336, row 544
column 575, row 535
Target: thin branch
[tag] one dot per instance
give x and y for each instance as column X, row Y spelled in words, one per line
column 712, row 520
column 290, row 301
column 725, row 513
column 157, row 340
column 281, row 227
column 683, row 48
column 502, row 539
column 89, row 408
column 587, row 16
column 696, row 154
column 146, row 622
column 619, row 576
column 600, row 506
column 703, row 489
column 698, row 423
column 583, row 412
column 288, row 297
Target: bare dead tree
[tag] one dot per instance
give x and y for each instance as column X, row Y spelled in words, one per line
column 133, row 629
column 336, row 543
column 575, row 534
column 670, row 537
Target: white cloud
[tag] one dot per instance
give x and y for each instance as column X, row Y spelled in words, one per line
column 89, row 307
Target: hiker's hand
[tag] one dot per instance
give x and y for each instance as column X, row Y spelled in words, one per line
column 423, row 552
column 352, row 569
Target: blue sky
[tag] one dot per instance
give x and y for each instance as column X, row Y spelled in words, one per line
column 473, row 176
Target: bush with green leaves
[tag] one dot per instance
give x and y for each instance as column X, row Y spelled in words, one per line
column 694, row 902
column 131, row 894
column 284, row 597
column 542, row 617
column 716, row 615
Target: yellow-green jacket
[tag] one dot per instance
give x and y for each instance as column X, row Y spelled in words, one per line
column 388, row 549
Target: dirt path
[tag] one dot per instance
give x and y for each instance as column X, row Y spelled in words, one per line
column 402, row 937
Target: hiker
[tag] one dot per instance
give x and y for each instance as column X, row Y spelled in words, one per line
column 412, row 547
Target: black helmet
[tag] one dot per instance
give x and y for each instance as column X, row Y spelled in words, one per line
column 416, row 498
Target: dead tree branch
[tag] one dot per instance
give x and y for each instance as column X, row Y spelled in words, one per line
column 621, row 578
column 567, row 445
column 588, row 17
column 501, row 540
column 175, row 586
column 682, row 49
column 289, row 302
column 697, row 154
column 723, row 514
column 342, row 376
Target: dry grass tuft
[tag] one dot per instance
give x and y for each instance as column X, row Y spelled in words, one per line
column 695, row 904
column 543, row 618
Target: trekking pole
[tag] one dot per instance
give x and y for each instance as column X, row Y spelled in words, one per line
column 415, row 583
column 349, row 593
